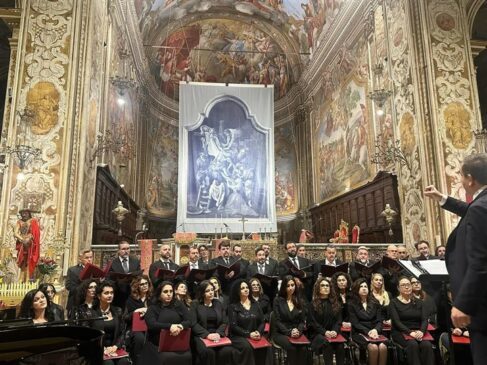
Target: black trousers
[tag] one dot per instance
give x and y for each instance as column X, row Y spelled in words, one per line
column 478, row 345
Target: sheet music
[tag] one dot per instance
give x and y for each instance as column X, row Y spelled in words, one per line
column 413, row 269
column 434, row 267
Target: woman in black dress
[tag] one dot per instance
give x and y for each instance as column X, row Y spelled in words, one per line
column 37, row 306
column 409, row 317
column 137, row 302
column 83, row 301
column 210, row 323
column 366, row 318
column 50, row 290
column 113, row 324
column 218, row 291
column 181, row 293
column 290, row 320
column 246, row 322
column 378, row 291
column 341, row 285
column 166, row 313
column 428, row 301
column 325, row 320
column 257, row 295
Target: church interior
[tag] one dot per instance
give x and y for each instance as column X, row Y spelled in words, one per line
column 373, row 101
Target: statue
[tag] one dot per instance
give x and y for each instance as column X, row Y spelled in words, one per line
column 341, row 234
column 389, row 214
column 305, row 236
column 27, row 234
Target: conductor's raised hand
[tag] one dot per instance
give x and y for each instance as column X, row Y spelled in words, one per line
column 431, row 192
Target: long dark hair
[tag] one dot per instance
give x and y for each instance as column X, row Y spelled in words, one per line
column 296, row 297
column 99, row 289
column 45, row 286
column 80, row 295
column 355, row 292
column 26, row 307
column 156, row 299
column 334, row 279
column 336, row 306
column 235, row 290
column 200, row 291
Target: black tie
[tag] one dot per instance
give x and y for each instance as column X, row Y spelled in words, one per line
column 261, row 269
column 167, row 265
column 296, row 262
column 227, row 262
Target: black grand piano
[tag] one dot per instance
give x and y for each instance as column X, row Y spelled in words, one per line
column 55, row 343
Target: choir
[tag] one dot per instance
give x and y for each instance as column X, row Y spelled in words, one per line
column 231, row 314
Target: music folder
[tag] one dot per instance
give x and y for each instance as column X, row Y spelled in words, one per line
column 224, row 270
column 365, row 270
column 460, row 340
column 118, row 355
column 268, row 281
column 258, row 344
column 391, row 265
column 223, row 341
column 426, row 337
column 197, row 275
column 300, row 273
column 165, row 274
column 327, row 270
column 339, row 339
column 301, row 340
column 121, row 276
column 380, row 338
column 138, row 323
column 179, row 343
column 93, row 271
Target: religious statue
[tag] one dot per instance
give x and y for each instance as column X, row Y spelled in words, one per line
column 305, row 236
column 27, row 234
column 341, row 234
column 389, row 214
column 356, row 234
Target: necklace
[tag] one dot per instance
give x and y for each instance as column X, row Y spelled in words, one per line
column 105, row 313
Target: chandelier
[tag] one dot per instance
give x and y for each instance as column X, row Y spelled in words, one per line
column 380, row 95
column 122, row 81
column 120, row 144
column 23, row 153
column 389, row 152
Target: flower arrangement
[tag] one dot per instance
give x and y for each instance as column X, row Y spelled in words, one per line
column 46, row 265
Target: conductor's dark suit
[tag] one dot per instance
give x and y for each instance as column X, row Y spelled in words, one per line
column 466, row 261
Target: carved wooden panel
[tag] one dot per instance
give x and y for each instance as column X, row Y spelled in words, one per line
column 362, row 206
column 107, row 194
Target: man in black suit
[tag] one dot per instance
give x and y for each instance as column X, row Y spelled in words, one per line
column 362, row 258
column 72, row 277
column 163, row 263
column 402, row 253
column 298, row 262
column 195, row 264
column 466, row 253
column 125, row 264
column 225, row 259
column 204, row 255
column 260, row 266
column 273, row 264
column 330, row 260
column 237, row 253
column 424, row 250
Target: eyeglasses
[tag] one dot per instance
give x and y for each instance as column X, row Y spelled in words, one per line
column 167, row 291
column 325, row 285
column 405, row 285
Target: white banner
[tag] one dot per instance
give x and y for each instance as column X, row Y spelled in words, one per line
column 226, row 158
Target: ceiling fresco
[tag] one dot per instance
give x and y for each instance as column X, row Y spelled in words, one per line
column 252, row 41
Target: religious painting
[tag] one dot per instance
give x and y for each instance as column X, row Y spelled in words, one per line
column 457, row 125
column 185, row 56
column 302, row 21
column 406, row 129
column 228, row 166
column 226, row 158
column 43, row 98
column 286, row 170
column 162, row 184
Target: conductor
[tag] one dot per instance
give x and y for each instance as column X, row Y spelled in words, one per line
column 466, row 253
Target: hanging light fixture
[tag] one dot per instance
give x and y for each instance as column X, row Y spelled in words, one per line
column 122, row 80
column 23, row 153
column 380, row 95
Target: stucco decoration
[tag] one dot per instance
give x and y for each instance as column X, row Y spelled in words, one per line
column 453, row 88
column 43, row 87
column 405, row 121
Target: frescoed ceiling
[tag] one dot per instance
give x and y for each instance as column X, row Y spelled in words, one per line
column 251, row 41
